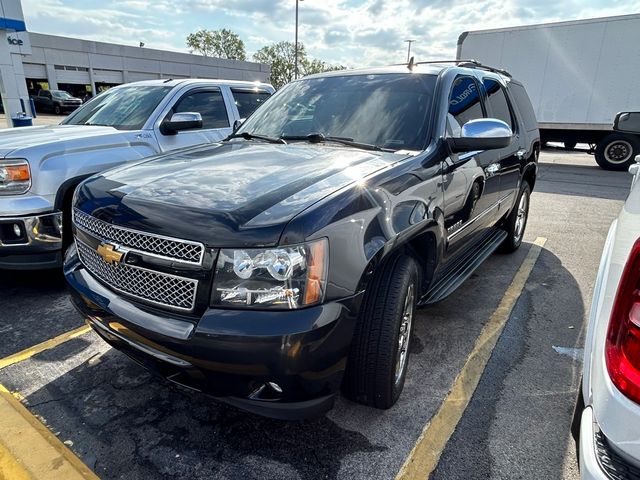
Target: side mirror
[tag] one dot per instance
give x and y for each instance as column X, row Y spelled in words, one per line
column 237, row 124
column 181, row 121
column 627, row 122
column 481, row 134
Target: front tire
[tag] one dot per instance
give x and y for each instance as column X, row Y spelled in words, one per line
column 516, row 223
column 379, row 356
column 617, row 151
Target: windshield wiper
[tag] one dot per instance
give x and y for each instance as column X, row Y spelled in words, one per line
column 317, row 137
column 251, row 136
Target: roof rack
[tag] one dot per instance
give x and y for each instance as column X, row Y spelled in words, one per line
column 470, row 63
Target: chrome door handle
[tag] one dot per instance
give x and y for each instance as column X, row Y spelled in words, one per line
column 521, row 153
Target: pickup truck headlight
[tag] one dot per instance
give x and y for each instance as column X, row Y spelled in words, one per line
column 15, row 177
column 279, row 278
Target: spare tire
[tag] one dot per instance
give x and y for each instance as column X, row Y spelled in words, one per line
column 617, row 151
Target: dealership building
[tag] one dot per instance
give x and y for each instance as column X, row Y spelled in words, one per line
column 31, row 61
column 81, row 66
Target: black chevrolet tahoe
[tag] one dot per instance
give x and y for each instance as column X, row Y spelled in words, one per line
column 286, row 263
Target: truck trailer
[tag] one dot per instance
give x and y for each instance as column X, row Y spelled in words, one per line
column 579, row 75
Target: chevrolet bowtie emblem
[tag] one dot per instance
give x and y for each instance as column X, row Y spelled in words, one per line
column 109, row 253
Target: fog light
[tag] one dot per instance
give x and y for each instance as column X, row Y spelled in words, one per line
column 16, row 229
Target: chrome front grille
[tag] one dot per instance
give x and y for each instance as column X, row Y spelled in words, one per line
column 156, row 245
column 155, row 287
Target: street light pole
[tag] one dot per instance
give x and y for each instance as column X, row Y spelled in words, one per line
column 409, row 49
column 296, row 54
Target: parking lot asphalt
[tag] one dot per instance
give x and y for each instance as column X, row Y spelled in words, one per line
column 124, row 423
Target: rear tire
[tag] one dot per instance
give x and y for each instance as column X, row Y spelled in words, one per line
column 57, row 110
column 570, row 145
column 379, row 356
column 516, row 223
column 616, row 151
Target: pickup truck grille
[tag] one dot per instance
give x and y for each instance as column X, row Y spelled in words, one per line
column 158, row 245
column 155, row 287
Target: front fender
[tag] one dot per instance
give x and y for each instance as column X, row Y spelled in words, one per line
column 367, row 225
column 425, row 243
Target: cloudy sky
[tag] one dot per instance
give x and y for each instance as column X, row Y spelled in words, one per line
column 354, row 33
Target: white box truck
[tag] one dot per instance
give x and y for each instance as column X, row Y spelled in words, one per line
column 579, row 75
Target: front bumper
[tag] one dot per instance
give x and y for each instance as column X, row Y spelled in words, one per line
column 598, row 459
column 31, row 242
column 281, row 364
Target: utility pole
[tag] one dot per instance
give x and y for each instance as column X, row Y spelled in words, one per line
column 296, row 55
column 409, row 50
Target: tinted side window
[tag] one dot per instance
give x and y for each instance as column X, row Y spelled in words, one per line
column 464, row 104
column 498, row 104
column 519, row 94
column 210, row 105
column 248, row 100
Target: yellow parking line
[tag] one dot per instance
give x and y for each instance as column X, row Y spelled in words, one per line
column 425, row 455
column 41, row 347
column 29, row 451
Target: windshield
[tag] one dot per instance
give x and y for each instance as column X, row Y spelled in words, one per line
column 386, row 110
column 126, row 108
column 60, row 94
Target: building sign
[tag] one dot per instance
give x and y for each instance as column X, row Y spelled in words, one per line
column 15, row 41
column 19, row 42
column 12, row 24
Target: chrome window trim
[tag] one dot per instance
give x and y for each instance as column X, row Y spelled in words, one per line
column 140, row 232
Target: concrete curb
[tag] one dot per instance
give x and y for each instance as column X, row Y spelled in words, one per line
column 28, row 450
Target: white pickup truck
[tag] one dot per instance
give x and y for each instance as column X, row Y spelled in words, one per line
column 41, row 166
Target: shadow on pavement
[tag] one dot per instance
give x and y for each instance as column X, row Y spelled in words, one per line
column 49, row 280
column 125, row 423
column 582, row 180
column 34, row 306
column 518, row 422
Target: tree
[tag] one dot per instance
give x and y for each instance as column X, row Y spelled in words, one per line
column 282, row 58
column 218, row 43
column 318, row 66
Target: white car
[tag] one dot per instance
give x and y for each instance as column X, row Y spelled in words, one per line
column 607, row 417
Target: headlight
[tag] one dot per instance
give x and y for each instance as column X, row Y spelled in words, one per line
column 284, row 278
column 15, row 177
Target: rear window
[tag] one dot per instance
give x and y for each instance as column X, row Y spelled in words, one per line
column 248, row 100
column 519, row 95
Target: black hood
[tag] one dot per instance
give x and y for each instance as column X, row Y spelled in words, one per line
column 238, row 194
